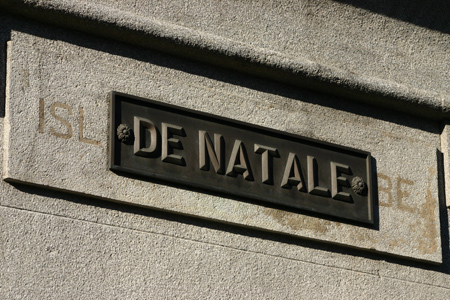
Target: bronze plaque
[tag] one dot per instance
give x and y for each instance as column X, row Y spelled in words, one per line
column 165, row 143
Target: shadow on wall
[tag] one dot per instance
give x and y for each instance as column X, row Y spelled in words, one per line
column 443, row 215
column 5, row 35
column 432, row 14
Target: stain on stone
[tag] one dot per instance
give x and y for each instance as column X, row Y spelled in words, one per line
column 364, row 237
column 428, row 242
column 397, row 137
column 297, row 222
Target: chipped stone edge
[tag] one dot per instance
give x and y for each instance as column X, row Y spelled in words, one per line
column 104, row 21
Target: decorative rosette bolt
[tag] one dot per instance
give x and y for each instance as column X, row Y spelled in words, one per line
column 359, row 186
column 124, row 133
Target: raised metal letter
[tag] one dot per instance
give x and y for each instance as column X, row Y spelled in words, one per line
column 239, row 163
column 313, row 180
column 140, row 125
column 168, row 143
column 293, row 174
column 338, row 181
column 209, row 153
column 266, row 163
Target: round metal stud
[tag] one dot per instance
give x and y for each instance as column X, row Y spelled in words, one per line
column 124, row 133
column 359, row 186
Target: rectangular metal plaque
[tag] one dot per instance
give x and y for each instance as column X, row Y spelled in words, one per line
column 157, row 141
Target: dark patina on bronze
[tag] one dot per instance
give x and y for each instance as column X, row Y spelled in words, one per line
column 204, row 151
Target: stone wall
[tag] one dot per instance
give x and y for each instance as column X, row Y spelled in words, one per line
column 370, row 77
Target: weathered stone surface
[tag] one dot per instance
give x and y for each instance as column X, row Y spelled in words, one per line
column 73, row 78
column 55, row 247
column 390, row 54
column 59, row 245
